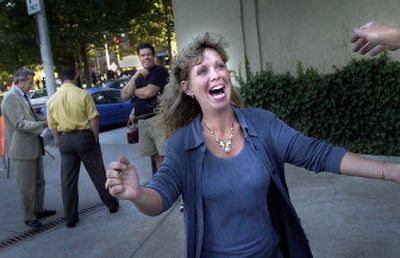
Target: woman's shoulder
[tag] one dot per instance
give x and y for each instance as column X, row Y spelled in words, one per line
column 258, row 113
column 176, row 140
column 178, row 133
column 187, row 137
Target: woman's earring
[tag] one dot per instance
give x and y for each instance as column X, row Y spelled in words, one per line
column 193, row 97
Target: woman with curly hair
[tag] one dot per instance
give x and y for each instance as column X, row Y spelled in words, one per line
column 228, row 164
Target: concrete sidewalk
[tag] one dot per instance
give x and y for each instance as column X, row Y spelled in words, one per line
column 342, row 216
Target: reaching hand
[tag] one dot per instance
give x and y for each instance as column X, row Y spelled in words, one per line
column 123, row 180
column 374, row 37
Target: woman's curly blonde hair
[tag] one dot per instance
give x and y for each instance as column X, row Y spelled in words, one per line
column 178, row 109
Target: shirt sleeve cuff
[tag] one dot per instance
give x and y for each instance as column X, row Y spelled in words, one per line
column 335, row 159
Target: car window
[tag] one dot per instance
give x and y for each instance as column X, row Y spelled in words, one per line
column 110, row 84
column 100, row 98
column 38, row 94
column 115, row 96
column 115, row 83
column 122, row 83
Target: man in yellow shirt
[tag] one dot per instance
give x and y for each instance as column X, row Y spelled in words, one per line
column 74, row 122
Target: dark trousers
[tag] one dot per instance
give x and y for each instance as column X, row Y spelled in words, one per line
column 75, row 147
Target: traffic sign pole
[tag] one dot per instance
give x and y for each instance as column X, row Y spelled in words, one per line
column 36, row 8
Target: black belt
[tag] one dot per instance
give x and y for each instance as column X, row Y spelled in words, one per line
column 145, row 116
column 75, row 131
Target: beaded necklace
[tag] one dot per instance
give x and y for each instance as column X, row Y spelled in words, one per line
column 226, row 145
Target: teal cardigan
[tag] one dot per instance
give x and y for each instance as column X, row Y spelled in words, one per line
column 273, row 143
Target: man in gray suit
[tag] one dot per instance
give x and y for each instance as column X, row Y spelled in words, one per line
column 24, row 145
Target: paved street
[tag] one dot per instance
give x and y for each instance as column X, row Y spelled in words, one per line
column 342, row 216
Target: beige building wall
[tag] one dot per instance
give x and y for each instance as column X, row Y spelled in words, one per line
column 316, row 33
column 276, row 34
column 222, row 17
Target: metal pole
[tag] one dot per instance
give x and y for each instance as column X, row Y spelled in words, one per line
column 118, row 55
column 107, row 55
column 45, row 50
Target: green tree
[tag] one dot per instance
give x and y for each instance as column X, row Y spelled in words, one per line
column 77, row 26
column 74, row 26
column 17, row 36
column 155, row 26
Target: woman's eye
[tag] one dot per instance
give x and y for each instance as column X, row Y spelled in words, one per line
column 220, row 66
column 202, row 71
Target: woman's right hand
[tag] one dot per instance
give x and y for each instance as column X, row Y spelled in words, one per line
column 123, row 180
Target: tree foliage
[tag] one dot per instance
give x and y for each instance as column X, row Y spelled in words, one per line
column 155, row 26
column 75, row 26
column 18, row 39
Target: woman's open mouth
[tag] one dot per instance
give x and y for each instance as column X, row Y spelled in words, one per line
column 217, row 92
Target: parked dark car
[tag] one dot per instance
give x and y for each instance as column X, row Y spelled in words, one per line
column 115, row 83
column 111, row 107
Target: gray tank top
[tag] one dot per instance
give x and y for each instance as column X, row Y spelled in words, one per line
column 236, row 216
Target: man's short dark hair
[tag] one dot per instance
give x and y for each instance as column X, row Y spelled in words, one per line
column 67, row 74
column 145, row 45
column 22, row 74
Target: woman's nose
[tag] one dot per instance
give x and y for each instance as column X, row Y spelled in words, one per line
column 214, row 74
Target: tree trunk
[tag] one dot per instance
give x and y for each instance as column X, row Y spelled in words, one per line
column 85, row 61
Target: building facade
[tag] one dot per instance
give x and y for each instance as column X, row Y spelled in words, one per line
column 277, row 34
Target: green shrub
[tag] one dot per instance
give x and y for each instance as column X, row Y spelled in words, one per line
column 357, row 106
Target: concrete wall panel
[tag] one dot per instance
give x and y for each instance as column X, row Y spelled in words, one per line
column 317, row 32
column 222, row 17
column 277, row 34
